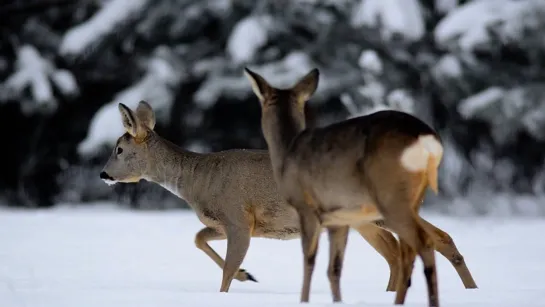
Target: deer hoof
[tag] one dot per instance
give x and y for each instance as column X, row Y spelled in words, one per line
column 245, row 276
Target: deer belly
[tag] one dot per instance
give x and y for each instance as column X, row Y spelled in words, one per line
column 365, row 213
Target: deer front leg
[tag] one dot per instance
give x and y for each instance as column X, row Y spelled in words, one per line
column 210, row 234
column 445, row 245
column 310, row 232
column 338, row 237
column 238, row 241
column 386, row 245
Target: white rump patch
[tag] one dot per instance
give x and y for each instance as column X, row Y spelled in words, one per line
column 415, row 157
column 109, row 182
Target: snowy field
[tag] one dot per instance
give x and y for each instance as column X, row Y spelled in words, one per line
column 101, row 256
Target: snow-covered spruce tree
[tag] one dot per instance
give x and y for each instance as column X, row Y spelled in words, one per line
column 472, row 69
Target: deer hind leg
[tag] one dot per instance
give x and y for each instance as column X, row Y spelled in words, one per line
column 396, row 202
column 406, row 266
column 310, row 233
column 338, row 237
column 238, row 241
column 210, row 234
column 445, row 245
column 412, row 234
column 386, row 245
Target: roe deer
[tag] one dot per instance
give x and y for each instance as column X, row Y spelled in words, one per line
column 372, row 168
column 233, row 193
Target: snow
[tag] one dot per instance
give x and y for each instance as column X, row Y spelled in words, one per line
column 33, row 71
column 470, row 26
column 248, row 35
column 400, row 99
column 81, row 37
column 369, row 61
column 395, row 16
column 156, row 87
column 374, row 91
column 472, row 105
column 448, row 66
column 102, row 256
column 444, row 6
column 65, row 81
column 282, row 73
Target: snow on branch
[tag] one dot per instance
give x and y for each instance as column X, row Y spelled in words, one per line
column 282, row 74
column 509, row 111
column 373, row 97
column 391, row 17
column 78, row 39
column 475, row 24
column 445, row 6
column 247, row 37
column 158, row 87
column 38, row 74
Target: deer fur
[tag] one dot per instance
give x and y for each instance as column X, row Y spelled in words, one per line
column 369, row 169
column 232, row 192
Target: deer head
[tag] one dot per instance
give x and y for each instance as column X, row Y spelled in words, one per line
column 129, row 158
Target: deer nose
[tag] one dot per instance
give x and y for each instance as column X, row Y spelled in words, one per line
column 104, row 175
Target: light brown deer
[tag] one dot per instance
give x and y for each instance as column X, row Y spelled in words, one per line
column 366, row 169
column 232, row 192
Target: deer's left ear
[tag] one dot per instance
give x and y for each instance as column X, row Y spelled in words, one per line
column 145, row 114
column 306, row 86
column 132, row 123
column 259, row 85
column 129, row 119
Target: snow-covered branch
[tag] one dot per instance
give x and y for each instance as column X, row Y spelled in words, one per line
column 86, row 35
column 39, row 75
column 247, row 37
column 391, row 17
column 157, row 87
column 282, row 74
column 475, row 24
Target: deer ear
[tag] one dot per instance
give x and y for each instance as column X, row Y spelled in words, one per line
column 145, row 114
column 129, row 119
column 259, row 85
column 306, row 86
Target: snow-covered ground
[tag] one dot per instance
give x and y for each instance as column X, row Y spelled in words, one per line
column 101, row 256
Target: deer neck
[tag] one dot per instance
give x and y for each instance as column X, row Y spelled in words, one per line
column 279, row 130
column 172, row 167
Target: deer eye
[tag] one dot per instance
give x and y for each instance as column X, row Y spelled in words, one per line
column 119, row 150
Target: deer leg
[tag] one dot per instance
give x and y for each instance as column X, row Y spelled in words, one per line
column 411, row 233
column 427, row 253
column 445, row 245
column 238, row 241
column 406, row 265
column 386, row 245
column 338, row 237
column 210, row 234
column 310, row 232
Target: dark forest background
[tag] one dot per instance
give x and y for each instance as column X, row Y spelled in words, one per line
column 474, row 70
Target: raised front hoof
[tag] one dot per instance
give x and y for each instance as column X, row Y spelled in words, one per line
column 242, row 275
column 469, row 283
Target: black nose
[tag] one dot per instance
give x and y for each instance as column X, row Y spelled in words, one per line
column 104, row 175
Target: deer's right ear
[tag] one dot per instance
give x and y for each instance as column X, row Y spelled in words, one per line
column 259, row 85
column 129, row 119
column 145, row 114
column 307, row 85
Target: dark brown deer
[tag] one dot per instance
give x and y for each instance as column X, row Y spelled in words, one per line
column 372, row 168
